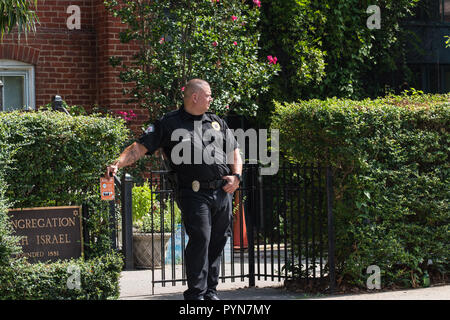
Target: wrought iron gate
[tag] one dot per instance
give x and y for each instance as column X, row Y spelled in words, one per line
column 282, row 229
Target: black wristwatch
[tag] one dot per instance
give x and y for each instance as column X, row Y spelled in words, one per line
column 238, row 176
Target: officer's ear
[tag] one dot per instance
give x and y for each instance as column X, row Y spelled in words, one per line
column 194, row 97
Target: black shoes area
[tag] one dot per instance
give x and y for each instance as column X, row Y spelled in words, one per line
column 212, row 297
column 209, row 297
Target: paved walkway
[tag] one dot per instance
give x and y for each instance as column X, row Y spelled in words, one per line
column 137, row 285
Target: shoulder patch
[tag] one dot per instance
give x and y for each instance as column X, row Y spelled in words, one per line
column 150, row 129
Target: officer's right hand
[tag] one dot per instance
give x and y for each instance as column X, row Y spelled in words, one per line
column 111, row 170
column 232, row 184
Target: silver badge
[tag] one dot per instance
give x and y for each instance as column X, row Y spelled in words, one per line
column 195, row 185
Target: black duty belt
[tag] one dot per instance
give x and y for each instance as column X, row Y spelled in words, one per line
column 197, row 185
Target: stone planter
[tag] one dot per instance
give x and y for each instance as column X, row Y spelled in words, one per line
column 142, row 249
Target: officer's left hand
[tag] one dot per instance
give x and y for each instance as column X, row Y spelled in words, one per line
column 232, row 184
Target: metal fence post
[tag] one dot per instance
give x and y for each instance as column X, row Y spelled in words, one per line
column 331, row 238
column 112, row 224
column 127, row 221
column 249, row 186
column 85, row 215
column 1, row 95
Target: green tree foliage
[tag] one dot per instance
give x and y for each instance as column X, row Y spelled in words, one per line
column 180, row 40
column 17, row 13
column 293, row 30
column 325, row 48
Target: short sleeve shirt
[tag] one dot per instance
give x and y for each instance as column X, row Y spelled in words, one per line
column 199, row 147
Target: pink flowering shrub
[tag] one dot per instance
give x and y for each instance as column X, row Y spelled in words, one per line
column 127, row 116
column 221, row 47
column 272, row 60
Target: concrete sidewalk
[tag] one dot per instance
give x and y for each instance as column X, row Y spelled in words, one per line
column 137, row 285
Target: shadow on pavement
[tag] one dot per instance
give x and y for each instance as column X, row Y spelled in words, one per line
column 234, row 294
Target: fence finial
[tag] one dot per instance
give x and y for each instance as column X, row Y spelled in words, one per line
column 57, row 104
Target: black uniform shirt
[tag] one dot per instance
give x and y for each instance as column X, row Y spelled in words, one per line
column 208, row 149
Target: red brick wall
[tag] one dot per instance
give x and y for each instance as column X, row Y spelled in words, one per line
column 110, row 87
column 74, row 63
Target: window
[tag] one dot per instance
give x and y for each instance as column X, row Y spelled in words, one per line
column 444, row 10
column 18, row 85
column 432, row 11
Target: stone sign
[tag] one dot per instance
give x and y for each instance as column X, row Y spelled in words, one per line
column 48, row 234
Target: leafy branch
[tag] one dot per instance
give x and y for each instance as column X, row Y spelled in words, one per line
column 181, row 40
column 18, row 13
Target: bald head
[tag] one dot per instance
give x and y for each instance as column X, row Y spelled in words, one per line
column 197, row 96
column 193, row 86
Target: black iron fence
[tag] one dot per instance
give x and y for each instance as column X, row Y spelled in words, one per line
column 282, row 228
column 292, row 224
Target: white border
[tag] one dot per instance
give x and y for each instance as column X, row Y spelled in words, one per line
column 17, row 68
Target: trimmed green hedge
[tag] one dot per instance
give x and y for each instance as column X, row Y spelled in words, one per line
column 20, row 280
column 51, row 159
column 57, row 159
column 8, row 242
column 391, row 180
column 93, row 279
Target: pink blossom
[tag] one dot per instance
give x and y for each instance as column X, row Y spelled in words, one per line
column 272, row 60
column 182, row 89
column 161, row 41
column 127, row 116
column 235, row 43
column 257, row 3
column 214, row 44
column 234, row 18
column 227, row 107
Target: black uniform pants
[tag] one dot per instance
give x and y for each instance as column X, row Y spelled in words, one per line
column 207, row 216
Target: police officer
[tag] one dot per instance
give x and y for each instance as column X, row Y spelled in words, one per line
column 206, row 159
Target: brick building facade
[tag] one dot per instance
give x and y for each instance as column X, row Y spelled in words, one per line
column 71, row 63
